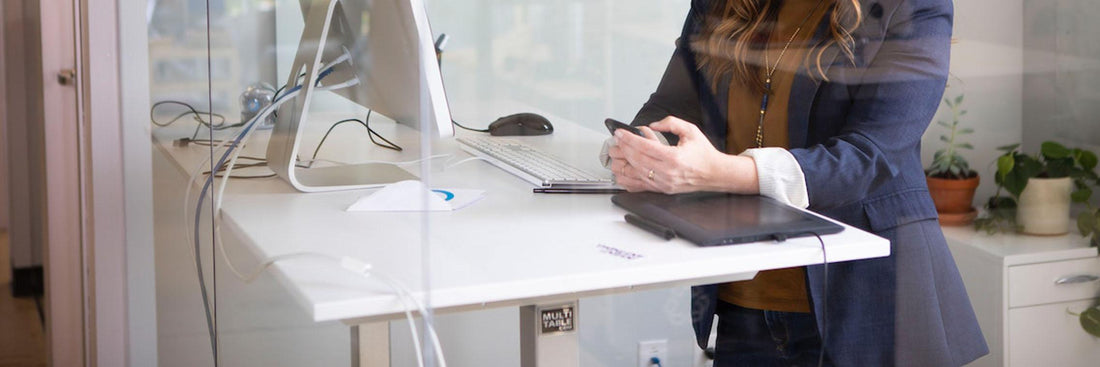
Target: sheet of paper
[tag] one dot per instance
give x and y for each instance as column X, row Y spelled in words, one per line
column 412, row 195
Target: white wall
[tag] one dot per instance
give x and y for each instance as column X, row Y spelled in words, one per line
column 1062, row 73
column 988, row 58
column 1061, row 99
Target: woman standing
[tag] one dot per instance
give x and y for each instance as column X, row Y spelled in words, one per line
column 820, row 104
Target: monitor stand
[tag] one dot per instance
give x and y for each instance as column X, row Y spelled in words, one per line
column 282, row 150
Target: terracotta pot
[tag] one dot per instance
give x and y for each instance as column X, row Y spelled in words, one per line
column 953, row 196
column 1043, row 208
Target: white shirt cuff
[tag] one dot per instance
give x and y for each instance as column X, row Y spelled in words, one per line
column 780, row 176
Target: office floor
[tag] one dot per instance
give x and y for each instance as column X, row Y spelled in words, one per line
column 22, row 340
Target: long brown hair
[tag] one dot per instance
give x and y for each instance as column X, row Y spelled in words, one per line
column 731, row 26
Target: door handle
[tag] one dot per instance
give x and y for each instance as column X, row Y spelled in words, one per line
column 66, row 77
column 1076, row 279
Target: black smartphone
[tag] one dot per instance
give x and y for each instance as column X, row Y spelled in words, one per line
column 613, row 125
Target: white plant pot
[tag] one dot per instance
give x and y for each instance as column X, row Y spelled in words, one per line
column 1044, row 206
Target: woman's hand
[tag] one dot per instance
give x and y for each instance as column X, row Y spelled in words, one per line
column 644, row 164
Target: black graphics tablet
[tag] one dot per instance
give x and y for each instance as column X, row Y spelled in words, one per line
column 713, row 219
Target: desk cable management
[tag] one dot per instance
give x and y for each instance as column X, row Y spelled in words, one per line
column 233, row 147
column 220, row 125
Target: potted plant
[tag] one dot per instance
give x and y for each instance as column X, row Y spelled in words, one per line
column 1042, row 188
column 951, row 182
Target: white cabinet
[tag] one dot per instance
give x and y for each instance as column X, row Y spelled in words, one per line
column 1023, row 289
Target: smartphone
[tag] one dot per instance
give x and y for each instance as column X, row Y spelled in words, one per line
column 613, row 125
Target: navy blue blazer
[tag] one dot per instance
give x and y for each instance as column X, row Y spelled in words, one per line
column 857, row 138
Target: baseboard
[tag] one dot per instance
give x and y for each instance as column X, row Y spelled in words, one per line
column 27, row 282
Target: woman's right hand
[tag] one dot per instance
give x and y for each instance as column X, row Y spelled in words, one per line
column 644, row 164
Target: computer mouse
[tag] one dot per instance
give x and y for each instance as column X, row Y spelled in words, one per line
column 521, row 124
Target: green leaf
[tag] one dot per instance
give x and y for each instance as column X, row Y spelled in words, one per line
column 959, row 99
column 1090, row 321
column 1008, row 148
column 1054, row 150
column 1057, row 168
column 966, row 146
column 948, row 102
column 1081, row 195
column 1087, row 159
column 1026, row 166
column 962, row 113
column 944, row 139
column 1004, row 165
column 944, row 124
column 1085, row 220
column 966, row 131
column 1015, row 182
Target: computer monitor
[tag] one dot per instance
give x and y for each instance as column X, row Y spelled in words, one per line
column 393, row 57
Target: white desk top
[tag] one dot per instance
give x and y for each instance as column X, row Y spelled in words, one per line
column 511, row 248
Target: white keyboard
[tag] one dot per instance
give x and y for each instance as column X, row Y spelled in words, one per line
column 530, row 164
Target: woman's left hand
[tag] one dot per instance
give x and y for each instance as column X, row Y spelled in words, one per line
column 644, row 164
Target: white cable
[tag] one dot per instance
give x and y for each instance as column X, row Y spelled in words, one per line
column 410, row 162
column 263, row 114
column 464, row 161
column 260, row 117
column 320, row 160
column 238, row 145
column 401, row 289
column 237, row 151
column 187, row 195
column 343, row 57
column 259, row 269
column 191, row 180
column 363, row 269
column 341, row 85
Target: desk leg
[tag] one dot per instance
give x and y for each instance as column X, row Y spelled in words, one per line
column 548, row 335
column 370, row 345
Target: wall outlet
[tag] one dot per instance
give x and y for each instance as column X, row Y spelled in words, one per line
column 649, row 349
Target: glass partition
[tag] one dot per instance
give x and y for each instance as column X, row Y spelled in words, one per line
column 291, row 259
column 183, row 107
column 289, row 278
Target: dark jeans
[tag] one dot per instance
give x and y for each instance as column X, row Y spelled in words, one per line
column 748, row 337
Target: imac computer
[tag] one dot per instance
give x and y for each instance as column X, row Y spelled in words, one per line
column 387, row 46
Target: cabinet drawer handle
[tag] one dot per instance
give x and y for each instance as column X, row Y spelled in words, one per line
column 1077, row 279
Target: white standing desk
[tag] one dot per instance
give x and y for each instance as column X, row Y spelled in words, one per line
column 512, row 248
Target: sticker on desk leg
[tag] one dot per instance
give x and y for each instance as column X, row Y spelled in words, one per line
column 557, row 319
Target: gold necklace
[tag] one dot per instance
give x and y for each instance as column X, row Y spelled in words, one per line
column 771, row 72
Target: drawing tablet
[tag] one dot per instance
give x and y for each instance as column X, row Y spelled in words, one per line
column 712, row 219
